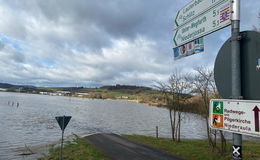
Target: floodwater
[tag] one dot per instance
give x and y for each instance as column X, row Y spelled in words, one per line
column 32, row 123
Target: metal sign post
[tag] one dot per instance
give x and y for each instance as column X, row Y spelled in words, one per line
column 61, row 147
column 63, row 122
column 236, row 71
column 250, row 62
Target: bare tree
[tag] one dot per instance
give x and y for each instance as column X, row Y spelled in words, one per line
column 166, row 94
column 203, row 84
column 174, row 97
column 178, row 88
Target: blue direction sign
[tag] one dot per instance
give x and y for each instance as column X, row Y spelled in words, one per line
column 63, row 121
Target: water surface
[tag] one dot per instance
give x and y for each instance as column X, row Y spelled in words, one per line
column 33, row 122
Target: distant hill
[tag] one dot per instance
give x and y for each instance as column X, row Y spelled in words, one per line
column 127, row 89
column 18, row 88
column 6, row 85
column 124, row 87
column 120, row 88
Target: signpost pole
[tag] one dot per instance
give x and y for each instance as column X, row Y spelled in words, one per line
column 236, row 71
column 63, row 122
column 61, row 147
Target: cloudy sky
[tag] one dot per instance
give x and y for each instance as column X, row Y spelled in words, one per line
column 98, row 42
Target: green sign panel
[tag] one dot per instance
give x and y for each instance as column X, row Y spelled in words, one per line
column 217, row 107
column 210, row 21
column 194, row 9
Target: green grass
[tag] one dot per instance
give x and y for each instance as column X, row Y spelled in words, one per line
column 197, row 149
column 78, row 149
column 81, row 149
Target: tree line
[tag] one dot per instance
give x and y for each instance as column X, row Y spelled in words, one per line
column 191, row 93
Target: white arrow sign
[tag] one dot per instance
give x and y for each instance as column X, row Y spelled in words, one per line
column 194, row 9
column 210, row 21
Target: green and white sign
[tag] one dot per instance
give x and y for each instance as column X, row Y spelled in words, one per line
column 210, row 21
column 194, row 9
column 236, row 116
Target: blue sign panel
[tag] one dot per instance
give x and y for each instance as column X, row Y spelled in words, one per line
column 188, row 49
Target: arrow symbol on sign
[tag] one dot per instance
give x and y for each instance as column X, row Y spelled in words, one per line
column 176, row 23
column 256, row 110
column 174, row 39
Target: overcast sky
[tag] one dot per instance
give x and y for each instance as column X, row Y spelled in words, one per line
column 99, row 42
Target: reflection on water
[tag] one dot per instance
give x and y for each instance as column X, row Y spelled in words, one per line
column 33, row 122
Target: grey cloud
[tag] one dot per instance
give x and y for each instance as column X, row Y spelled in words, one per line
column 111, row 19
column 18, row 57
column 97, row 42
column 2, row 45
column 12, row 55
column 10, row 23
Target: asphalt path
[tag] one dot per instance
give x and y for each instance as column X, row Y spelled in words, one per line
column 119, row 148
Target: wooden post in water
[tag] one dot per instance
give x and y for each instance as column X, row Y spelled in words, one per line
column 156, row 131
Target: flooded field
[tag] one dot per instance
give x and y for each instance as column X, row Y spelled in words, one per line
column 32, row 123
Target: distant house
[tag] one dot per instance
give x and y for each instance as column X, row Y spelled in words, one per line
column 44, row 93
column 3, row 89
column 122, row 97
column 63, row 93
column 82, row 94
column 54, row 94
column 19, row 89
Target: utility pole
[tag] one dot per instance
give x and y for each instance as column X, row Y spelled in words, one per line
column 236, row 71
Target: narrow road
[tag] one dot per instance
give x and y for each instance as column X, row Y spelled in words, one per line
column 120, row 148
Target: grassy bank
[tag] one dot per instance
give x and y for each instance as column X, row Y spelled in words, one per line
column 81, row 149
column 197, row 149
column 78, row 149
